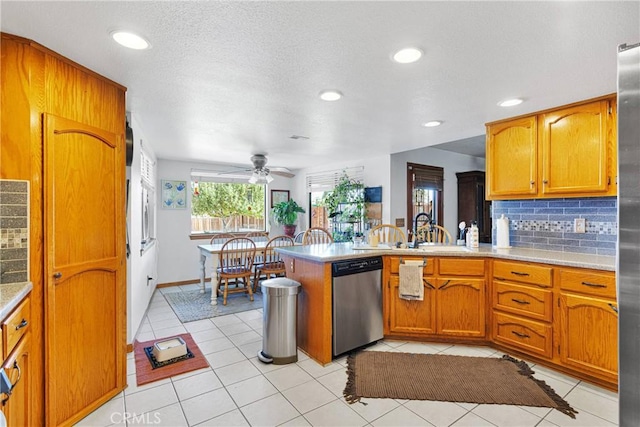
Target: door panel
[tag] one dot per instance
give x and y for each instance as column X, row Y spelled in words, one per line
column 85, row 312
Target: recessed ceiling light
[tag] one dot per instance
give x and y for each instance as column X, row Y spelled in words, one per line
column 330, row 95
column 407, row 55
column 510, row 102
column 432, row 123
column 130, row 40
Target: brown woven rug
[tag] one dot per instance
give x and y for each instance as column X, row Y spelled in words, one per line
column 145, row 373
column 448, row 378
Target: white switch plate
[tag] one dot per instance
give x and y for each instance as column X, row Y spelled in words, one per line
column 579, row 225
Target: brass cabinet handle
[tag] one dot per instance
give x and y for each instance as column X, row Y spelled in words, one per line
column 613, row 307
column 594, row 285
column 518, row 273
column 22, row 324
column 544, row 181
column 532, row 182
column 518, row 334
column 519, row 301
column 57, row 275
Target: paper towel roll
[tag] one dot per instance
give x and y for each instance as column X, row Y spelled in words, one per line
column 503, row 232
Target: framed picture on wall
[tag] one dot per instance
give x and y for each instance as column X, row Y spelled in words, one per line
column 174, row 194
column 278, row 196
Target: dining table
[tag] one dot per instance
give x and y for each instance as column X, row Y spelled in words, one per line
column 212, row 252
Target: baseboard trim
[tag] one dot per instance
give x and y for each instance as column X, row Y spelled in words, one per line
column 183, row 282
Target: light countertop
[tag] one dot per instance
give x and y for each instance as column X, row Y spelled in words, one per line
column 342, row 251
column 11, row 294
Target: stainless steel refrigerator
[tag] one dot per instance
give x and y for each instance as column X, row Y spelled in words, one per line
column 628, row 268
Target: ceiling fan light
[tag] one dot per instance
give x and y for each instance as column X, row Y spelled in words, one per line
column 269, row 178
column 254, row 178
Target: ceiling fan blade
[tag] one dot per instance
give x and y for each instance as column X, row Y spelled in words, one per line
column 282, row 172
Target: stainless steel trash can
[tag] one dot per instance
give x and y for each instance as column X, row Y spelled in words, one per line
column 279, row 313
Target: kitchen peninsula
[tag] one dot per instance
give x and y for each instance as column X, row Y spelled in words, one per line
column 554, row 308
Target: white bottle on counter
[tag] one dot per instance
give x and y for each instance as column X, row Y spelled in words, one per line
column 473, row 236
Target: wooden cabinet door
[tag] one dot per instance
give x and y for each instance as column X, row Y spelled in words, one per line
column 574, row 150
column 512, row 159
column 17, row 406
column 410, row 316
column 461, row 307
column 85, row 286
column 589, row 339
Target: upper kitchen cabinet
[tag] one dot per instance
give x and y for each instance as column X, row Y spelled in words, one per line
column 564, row 152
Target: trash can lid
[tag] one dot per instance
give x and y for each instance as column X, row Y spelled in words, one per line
column 280, row 286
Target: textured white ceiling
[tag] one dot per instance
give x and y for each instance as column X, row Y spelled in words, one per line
column 225, row 80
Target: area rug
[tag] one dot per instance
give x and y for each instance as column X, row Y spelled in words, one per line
column 190, row 306
column 145, row 373
column 448, row 378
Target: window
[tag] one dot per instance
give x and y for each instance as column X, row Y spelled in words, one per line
column 220, row 204
column 147, row 180
column 424, row 194
column 342, row 214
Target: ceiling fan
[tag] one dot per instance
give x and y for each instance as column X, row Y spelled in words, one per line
column 261, row 174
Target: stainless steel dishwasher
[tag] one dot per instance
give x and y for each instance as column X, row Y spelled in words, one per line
column 357, row 303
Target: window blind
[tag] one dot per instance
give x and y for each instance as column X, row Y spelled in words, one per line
column 327, row 180
column 147, row 169
column 427, row 177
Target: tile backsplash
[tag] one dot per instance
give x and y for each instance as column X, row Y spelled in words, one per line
column 14, row 231
column 548, row 224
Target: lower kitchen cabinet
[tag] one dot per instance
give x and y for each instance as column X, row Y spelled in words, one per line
column 461, row 307
column 589, row 339
column 412, row 316
column 452, row 306
column 17, row 406
column 525, row 335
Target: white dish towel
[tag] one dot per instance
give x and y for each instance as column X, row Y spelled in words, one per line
column 411, row 287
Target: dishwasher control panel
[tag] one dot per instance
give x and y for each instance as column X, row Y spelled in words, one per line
column 355, row 266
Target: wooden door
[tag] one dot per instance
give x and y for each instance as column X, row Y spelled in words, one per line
column 17, row 407
column 512, row 159
column 461, row 307
column 410, row 316
column 85, row 274
column 589, row 338
column 574, row 150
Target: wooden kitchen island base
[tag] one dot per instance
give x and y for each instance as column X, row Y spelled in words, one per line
column 314, row 306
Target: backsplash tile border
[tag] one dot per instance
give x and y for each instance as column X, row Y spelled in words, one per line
column 14, row 231
column 548, row 224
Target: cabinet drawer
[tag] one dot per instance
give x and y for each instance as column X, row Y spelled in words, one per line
column 588, row 282
column 461, row 267
column 528, row 336
column 523, row 300
column 16, row 325
column 520, row 272
column 426, row 271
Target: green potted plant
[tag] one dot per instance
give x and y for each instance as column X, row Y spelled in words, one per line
column 286, row 214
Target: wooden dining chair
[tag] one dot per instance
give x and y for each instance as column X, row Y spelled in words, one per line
column 235, row 263
column 433, row 233
column 388, row 234
column 220, row 238
column 258, row 236
column 298, row 237
column 271, row 264
column 316, row 235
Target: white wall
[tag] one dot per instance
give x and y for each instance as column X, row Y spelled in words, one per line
column 451, row 162
column 139, row 266
column 178, row 256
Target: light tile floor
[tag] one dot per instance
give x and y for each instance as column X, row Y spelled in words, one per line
column 239, row 390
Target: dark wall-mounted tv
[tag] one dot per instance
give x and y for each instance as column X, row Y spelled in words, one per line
column 373, row 194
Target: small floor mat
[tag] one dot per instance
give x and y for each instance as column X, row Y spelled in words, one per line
column 146, row 372
column 190, row 306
